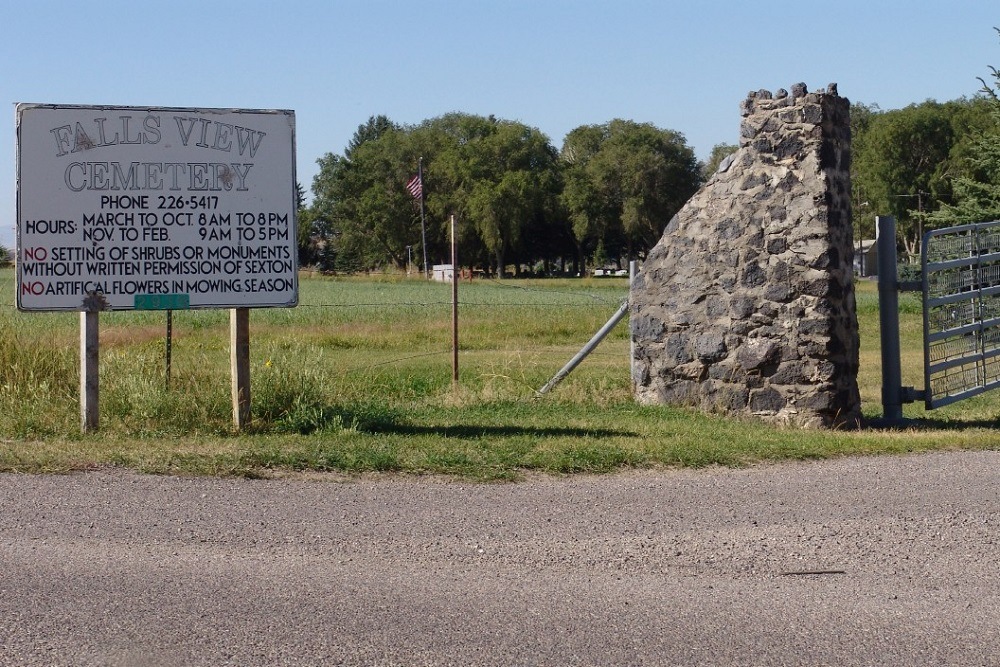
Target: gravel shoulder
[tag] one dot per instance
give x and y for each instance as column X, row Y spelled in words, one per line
column 855, row 561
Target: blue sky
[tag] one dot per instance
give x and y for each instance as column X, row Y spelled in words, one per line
column 551, row 64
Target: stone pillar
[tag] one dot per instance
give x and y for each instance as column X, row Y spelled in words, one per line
column 746, row 304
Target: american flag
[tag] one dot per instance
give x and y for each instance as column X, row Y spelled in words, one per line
column 415, row 186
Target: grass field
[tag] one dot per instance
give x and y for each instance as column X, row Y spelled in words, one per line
column 358, row 379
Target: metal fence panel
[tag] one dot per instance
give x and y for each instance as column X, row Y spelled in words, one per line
column 961, row 299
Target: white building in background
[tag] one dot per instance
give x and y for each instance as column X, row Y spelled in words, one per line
column 866, row 258
column 442, row 273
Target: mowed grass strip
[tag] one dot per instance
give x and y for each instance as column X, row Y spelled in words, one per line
column 357, row 379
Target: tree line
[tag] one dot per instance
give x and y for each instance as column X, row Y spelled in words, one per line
column 519, row 203
column 605, row 197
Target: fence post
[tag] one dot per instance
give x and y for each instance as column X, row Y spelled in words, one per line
column 454, row 305
column 633, row 271
column 888, row 317
column 239, row 359
column 89, row 370
column 169, row 347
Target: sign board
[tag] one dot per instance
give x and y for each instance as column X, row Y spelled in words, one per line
column 130, row 208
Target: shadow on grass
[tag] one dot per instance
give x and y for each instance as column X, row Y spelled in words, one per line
column 386, row 420
column 469, row 431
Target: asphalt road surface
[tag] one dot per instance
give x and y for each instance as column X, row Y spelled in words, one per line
column 862, row 561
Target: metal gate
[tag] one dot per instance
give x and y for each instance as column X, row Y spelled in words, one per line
column 961, row 299
column 960, row 286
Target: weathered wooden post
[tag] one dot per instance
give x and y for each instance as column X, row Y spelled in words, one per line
column 454, row 305
column 89, row 370
column 239, row 358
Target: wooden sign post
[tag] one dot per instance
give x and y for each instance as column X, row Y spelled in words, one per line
column 89, row 371
column 239, row 361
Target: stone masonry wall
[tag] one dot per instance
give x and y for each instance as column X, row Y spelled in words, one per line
column 746, row 305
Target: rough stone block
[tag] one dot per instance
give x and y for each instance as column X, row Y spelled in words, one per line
column 745, row 306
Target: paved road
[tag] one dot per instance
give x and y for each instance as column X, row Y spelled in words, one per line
column 652, row 568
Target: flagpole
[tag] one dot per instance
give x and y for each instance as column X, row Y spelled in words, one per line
column 423, row 223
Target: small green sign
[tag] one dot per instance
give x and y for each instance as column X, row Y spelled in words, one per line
column 162, row 301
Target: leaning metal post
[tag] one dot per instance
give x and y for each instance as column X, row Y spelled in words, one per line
column 587, row 349
column 594, row 341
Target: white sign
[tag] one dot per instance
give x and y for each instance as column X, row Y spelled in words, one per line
column 122, row 208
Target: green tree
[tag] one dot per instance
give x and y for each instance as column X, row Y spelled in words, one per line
column 977, row 190
column 362, row 211
column 589, row 213
column 513, row 184
column 901, row 163
column 861, row 120
column 304, row 219
column 444, row 143
column 327, row 194
column 624, row 181
column 499, row 178
column 372, row 130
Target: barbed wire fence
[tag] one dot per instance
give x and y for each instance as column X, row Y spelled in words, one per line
column 555, row 299
column 602, row 302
